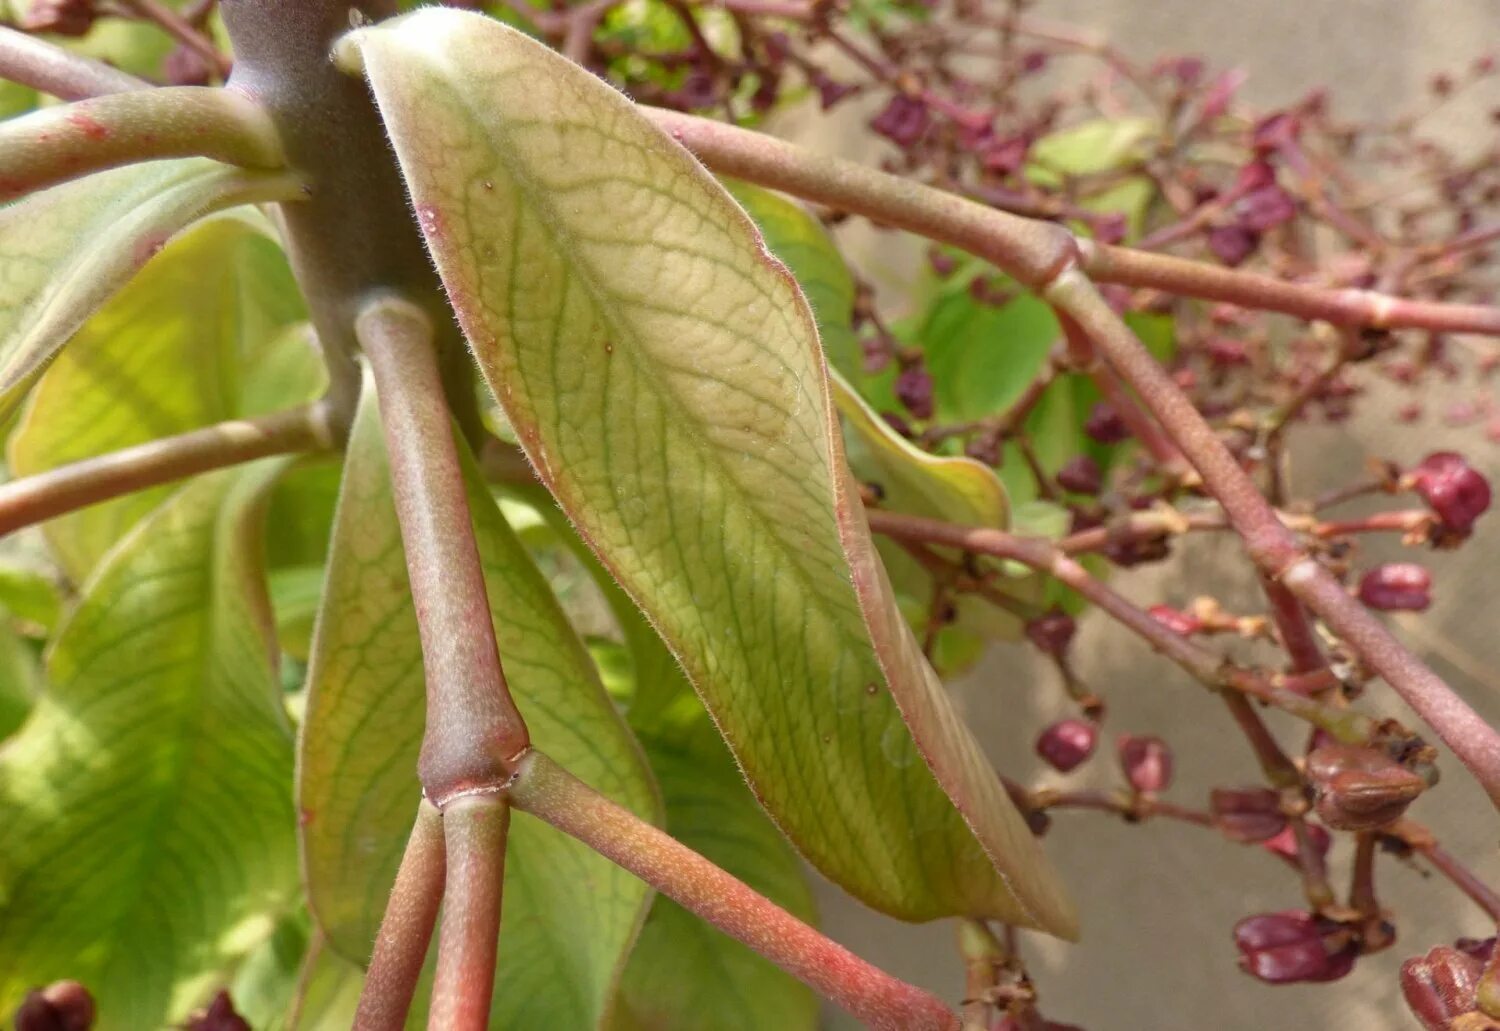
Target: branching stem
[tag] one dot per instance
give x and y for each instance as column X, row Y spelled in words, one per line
column 406, row 929
column 56, row 144
column 544, row 789
column 67, row 488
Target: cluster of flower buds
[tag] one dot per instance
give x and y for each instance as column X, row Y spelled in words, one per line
column 61, row 1006
column 1294, row 945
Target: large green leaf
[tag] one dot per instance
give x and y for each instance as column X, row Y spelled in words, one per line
column 569, row 914
column 195, row 338
column 64, row 251
column 664, row 375
column 148, row 831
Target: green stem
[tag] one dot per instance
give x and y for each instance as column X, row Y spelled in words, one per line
column 474, row 731
column 474, row 830
column 67, row 488
column 546, row 790
column 406, row 929
column 56, row 144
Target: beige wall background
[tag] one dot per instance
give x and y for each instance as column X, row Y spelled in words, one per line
column 1159, row 900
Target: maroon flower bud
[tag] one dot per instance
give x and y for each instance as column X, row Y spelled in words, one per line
column 698, row 90
column 219, row 1016
column 1067, row 743
column 184, row 66
column 1403, row 586
column 1105, row 425
column 900, row 425
column 1482, row 949
column 1357, row 788
column 914, row 390
column 1003, row 157
column 1033, row 61
column 1291, row 946
column 1266, row 208
column 1226, row 352
column 63, row 17
column 1441, row 84
column 1232, row 244
column 1109, row 228
column 1135, row 551
column 1220, row 93
column 1275, row 132
column 1184, row 624
column 830, row 91
column 1247, row 814
column 1146, row 760
column 1441, row 986
column 943, row 264
column 1080, row 475
column 903, row 121
column 1253, row 176
column 61, row 1006
column 1283, row 845
column 1052, row 632
column 1456, row 492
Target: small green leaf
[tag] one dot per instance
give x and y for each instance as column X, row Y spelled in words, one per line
column 194, row 339
column 148, row 833
column 804, row 246
column 19, row 679
column 982, row 358
column 67, row 249
column 665, row 377
column 569, row 914
column 1101, row 145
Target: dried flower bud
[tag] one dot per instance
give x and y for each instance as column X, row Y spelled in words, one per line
column 219, row 1016
column 903, row 121
column 1275, row 131
column 1131, row 550
column 1232, row 244
column 1482, row 949
column 914, row 390
column 1441, row 986
column 830, row 90
column 1146, row 760
column 1105, row 425
column 1456, row 492
column 1003, row 157
column 1357, row 788
column 1052, row 632
column 1292, row 946
column 1247, row 814
column 61, row 1006
column 1067, row 743
column 1184, row 624
column 1403, row 586
column 1081, row 475
column 63, row 17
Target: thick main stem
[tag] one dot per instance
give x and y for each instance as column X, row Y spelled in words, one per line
column 1272, row 546
column 406, row 929
column 474, row 731
column 56, row 144
column 546, row 790
column 55, row 492
column 474, row 828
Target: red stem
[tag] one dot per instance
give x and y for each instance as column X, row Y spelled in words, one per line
column 546, row 790
column 474, row 828
column 406, row 928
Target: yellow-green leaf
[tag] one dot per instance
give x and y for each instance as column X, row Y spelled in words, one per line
column 664, row 375
column 147, row 838
column 194, row 339
column 569, row 914
column 64, row 251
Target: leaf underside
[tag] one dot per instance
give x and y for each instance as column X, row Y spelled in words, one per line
column 569, row 914
column 663, row 374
